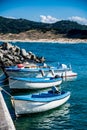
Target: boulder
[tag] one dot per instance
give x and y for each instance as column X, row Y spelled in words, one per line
column 17, row 50
column 6, row 46
column 24, row 53
column 42, row 59
column 1, row 55
column 12, row 55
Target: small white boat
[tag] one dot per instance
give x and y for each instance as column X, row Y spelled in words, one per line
column 39, row 102
column 21, row 71
column 62, row 70
column 33, row 83
column 62, row 73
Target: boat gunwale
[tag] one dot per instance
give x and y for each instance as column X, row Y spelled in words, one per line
column 43, row 80
column 58, row 97
column 37, row 69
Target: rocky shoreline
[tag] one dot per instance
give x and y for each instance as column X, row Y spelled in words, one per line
column 13, row 55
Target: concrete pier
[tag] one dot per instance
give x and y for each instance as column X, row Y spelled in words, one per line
column 6, row 122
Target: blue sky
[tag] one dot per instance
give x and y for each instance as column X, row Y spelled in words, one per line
column 45, row 10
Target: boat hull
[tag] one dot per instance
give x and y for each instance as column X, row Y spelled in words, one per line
column 68, row 73
column 26, row 107
column 37, row 72
column 22, row 74
column 20, row 84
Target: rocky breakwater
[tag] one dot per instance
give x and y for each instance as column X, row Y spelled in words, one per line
column 13, row 55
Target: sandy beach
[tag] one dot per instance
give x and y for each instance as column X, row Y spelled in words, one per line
column 59, row 40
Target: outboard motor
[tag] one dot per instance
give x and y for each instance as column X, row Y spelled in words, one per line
column 57, row 76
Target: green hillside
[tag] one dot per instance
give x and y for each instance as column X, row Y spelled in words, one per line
column 70, row 28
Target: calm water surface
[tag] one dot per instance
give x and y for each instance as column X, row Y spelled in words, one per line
column 73, row 114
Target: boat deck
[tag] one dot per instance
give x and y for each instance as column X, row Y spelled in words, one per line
column 6, row 122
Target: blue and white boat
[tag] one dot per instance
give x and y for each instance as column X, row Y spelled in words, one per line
column 39, row 102
column 25, row 71
column 33, row 83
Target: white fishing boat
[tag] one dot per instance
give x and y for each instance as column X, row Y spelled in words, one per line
column 62, row 70
column 39, row 102
column 61, row 73
column 25, row 71
column 34, row 83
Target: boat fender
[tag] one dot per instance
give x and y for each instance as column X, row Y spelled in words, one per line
column 20, row 65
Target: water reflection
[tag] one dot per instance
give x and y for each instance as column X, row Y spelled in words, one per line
column 48, row 120
column 53, row 119
column 70, row 78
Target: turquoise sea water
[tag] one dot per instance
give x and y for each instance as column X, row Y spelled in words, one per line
column 73, row 114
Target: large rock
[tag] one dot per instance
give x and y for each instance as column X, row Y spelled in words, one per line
column 42, row 59
column 1, row 55
column 24, row 53
column 17, row 50
column 9, row 57
column 12, row 55
column 6, row 46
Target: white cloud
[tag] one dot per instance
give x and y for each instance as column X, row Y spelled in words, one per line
column 48, row 19
column 10, row 17
column 78, row 19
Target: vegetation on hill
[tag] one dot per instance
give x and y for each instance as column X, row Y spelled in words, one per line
column 70, row 29
column 77, row 33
